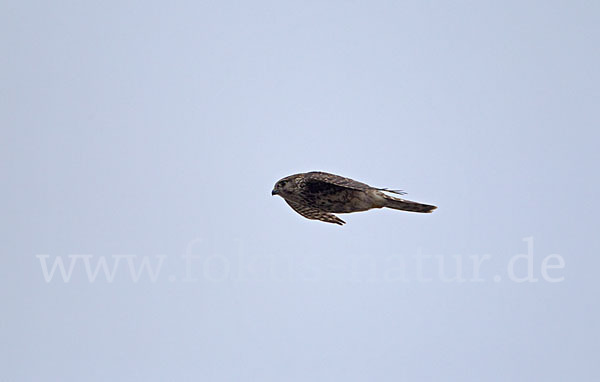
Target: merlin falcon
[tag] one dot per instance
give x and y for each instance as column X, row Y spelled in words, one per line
column 319, row 195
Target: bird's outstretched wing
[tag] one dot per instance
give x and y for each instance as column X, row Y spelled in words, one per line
column 314, row 213
column 316, row 177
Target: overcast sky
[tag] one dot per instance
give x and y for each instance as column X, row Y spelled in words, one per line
column 140, row 133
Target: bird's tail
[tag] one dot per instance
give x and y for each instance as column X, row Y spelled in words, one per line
column 406, row 205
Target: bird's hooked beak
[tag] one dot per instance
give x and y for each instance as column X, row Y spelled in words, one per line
column 274, row 192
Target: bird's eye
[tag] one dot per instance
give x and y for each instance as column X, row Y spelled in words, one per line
column 281, row 184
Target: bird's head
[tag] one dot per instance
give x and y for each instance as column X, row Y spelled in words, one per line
column 284, row 186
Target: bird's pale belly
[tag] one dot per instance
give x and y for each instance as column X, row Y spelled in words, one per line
column 346, row 203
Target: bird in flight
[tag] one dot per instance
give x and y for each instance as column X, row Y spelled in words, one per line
column 319, row 195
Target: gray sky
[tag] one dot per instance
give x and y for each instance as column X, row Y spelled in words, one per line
column 140, row 131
